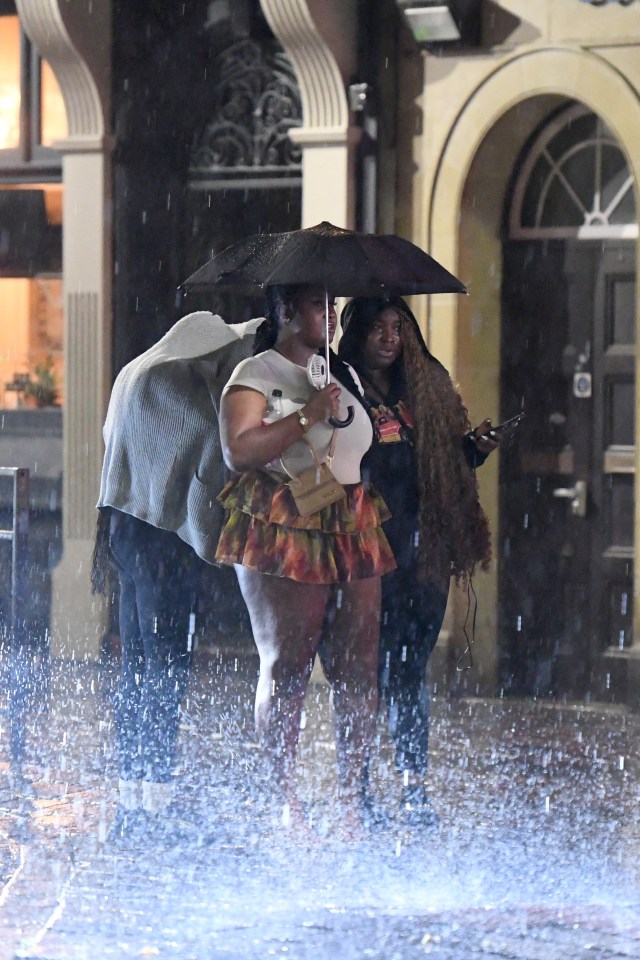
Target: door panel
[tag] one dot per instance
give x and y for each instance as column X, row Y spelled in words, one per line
column 566, row 482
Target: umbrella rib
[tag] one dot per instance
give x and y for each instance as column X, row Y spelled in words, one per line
column 366, row 255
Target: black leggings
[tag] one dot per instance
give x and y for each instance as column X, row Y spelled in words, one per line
column 158, row 576
column 411, row 618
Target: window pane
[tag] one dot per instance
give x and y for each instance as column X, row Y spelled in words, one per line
column 31, row 343
column 619, row 494
column 54, row 117
column 576, row 130
column 622, row 413
column 614, row 176
column 9, row 83
column 561, row 207
column 535, row 186
column 625, row 211
column 622, row 305
column 31, row 316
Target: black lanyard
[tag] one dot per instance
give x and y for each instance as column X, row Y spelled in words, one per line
column 386, row 400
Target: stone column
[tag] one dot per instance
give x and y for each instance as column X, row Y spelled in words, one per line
column 71, row 34
column 78, row 619
column 319, row 39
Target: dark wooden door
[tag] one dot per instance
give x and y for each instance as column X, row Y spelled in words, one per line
column 566, row 482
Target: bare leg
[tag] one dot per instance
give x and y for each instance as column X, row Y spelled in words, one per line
column 286, row 619
column 349, row 657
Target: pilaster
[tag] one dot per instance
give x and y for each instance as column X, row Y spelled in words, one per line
column 309, row 36
column 71, row 35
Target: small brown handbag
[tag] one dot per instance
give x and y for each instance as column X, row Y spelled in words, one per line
column 315, row 487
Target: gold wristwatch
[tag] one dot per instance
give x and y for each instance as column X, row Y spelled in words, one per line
column 304, row 419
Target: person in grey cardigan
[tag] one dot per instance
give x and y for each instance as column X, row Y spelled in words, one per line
column 158, row 521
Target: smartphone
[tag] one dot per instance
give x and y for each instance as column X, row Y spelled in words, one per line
column 506, row 428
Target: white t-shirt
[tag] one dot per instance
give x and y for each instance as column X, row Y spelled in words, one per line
column 271, row 371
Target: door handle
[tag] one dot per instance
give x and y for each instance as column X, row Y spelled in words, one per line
column 578, row 496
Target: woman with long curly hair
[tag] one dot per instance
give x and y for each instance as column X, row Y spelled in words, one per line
column 422, row 461
column 306, row 578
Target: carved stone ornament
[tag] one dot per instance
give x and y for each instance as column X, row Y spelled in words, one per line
column 257, row 102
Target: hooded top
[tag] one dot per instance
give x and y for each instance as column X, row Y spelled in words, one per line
column 163, row 459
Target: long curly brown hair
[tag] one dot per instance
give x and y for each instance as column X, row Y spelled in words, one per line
column 453, row 528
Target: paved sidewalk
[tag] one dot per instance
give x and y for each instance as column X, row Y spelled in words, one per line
column 536, row 855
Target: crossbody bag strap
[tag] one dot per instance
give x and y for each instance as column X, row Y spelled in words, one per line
column 316, row 458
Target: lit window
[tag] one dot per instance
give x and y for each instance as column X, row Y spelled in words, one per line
column 31, row 347
column 54, row 117
column 9, row 83
column 32, row 110
column 32, row 119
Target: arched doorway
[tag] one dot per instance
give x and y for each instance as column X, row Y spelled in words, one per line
column 568, row 357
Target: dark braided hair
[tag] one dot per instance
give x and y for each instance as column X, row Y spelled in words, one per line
column 277, row 297
column 453, row 527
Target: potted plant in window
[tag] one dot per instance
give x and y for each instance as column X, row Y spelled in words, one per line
column 42, row 387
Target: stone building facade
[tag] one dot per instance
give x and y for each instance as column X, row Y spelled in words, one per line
column 509, row 155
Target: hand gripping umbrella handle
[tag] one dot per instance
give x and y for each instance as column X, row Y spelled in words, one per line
column 347, row 420
column 350, row 411
column 317, row 376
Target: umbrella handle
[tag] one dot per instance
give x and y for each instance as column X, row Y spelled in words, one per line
column 347, row 420
column 350, row 411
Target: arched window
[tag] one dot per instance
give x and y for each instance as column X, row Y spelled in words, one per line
column 574, row 182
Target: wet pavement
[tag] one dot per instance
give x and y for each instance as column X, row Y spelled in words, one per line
column 536, row 855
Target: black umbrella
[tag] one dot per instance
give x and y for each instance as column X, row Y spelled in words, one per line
column 345, row 262
column 348, row 263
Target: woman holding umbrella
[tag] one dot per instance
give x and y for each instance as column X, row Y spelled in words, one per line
column 306, row 579
column 422, row 461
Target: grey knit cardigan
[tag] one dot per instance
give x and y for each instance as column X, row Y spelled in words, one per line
column 163, row 458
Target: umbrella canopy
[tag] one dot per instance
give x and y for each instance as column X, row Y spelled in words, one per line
column 345, row 262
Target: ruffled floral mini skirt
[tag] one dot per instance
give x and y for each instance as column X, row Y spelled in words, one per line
column 264, row 531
